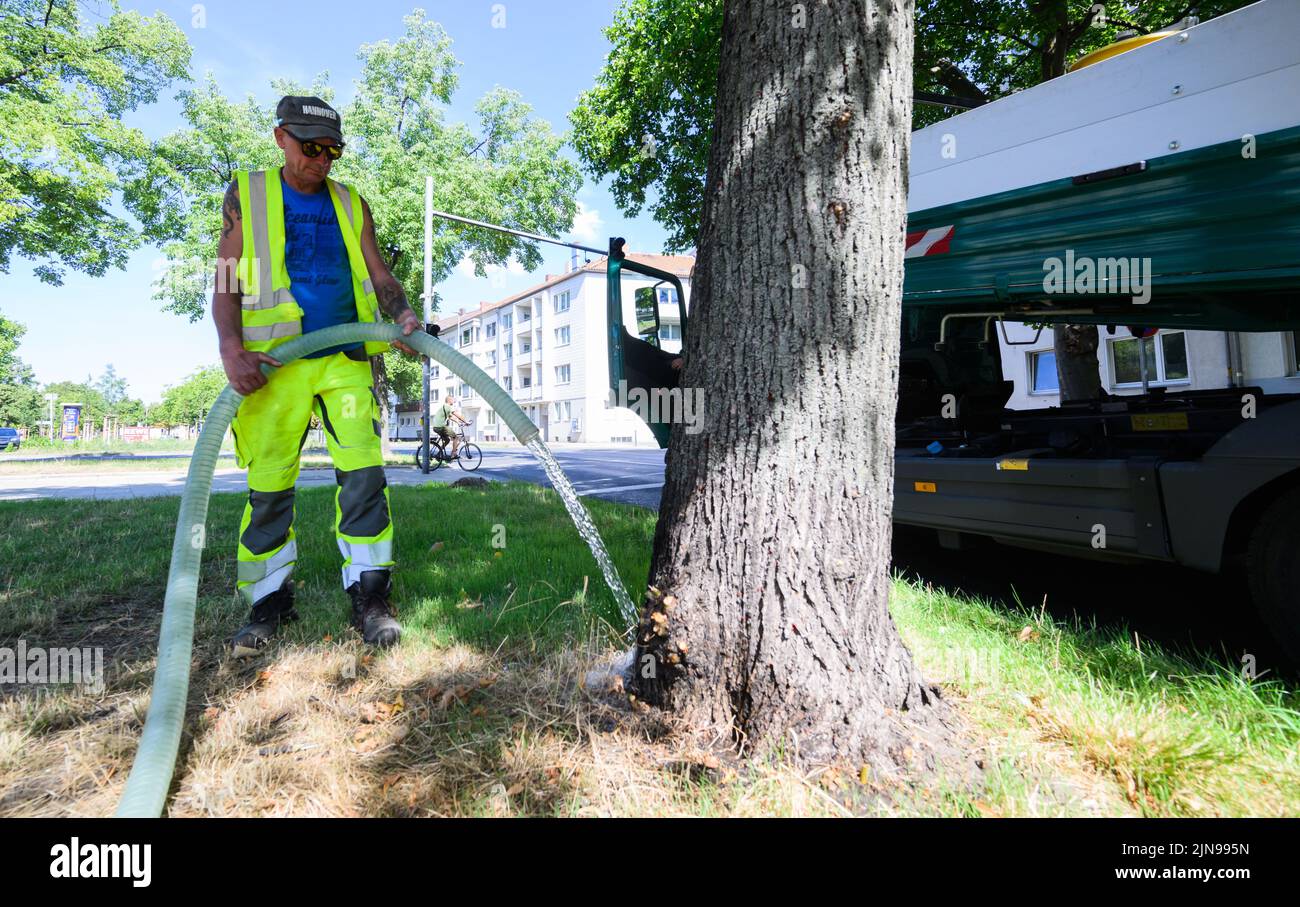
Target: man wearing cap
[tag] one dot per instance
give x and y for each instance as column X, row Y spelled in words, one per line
column 308, row 259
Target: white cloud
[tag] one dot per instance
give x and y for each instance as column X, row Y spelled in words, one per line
column 587, row 224
column 465, row 267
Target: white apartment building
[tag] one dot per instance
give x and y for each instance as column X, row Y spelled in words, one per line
column 547, row 347
column 1176, row 359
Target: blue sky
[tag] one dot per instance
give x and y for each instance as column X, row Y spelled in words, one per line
column 549, row 51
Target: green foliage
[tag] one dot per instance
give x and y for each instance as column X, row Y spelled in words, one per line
column 111, row 386
column 93, row 404
column 20, row 406
column 508, row 170
column 12, row 369
column 187, row 403
column 647, row 122
column 64, row 152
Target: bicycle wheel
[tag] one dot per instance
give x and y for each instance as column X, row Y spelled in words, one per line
column 470, row 457
column 422, row 454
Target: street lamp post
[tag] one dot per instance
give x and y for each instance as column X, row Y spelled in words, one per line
column 50, row 398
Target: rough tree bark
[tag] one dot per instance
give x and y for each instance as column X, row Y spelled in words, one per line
column 1076, row 361
column 768, row 616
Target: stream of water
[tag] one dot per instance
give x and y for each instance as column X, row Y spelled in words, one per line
column 586, row 529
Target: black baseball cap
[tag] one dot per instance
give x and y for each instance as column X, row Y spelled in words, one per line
column 308, row 117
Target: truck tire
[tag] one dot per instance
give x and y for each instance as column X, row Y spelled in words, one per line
column 1273, row 569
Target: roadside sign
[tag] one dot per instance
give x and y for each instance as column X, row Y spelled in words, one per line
column 71, row 421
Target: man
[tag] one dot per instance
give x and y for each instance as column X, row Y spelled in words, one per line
column 308, row 259
column 441, row 419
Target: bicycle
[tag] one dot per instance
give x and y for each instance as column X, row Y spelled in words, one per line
column 469, row 455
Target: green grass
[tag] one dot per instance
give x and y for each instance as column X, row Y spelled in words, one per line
column 1069, row 719
column 87, row 466
column 1179, row 734
column 62, row 560
column 39, row 445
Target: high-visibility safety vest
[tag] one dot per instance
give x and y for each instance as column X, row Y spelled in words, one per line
column 269, row 313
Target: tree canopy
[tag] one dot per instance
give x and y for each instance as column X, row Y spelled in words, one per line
column 66, row 158
column 12, row 369
column 188, row 403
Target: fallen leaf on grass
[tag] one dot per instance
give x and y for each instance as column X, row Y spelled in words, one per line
column 375, row 712
column 370, row 738
column 1027, row 634
column 456, row 694
column 436, row 547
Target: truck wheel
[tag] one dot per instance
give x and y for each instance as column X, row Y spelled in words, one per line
column 1273, row 567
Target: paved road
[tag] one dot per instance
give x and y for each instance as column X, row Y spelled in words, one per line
column 629, row 475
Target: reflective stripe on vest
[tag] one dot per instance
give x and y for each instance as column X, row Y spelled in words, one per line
column 269, row 313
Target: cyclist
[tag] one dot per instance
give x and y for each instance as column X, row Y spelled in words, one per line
column 443, row 416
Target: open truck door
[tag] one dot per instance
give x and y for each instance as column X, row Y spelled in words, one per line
column 638, row 367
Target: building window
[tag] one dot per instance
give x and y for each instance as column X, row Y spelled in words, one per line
column 668, row 296
column 525, row 346
column 506, row 321
column 562, row 336
column 1042, row 373
column 562, row 374
column 492, row 357
column 1166, row 359
column 466, row 336
column 561, row 302
column 564, row 410
column 508, row 350
column 525, row 380
column 492, row 330
column 492, row 417
column 434, row 371
column 466, row 391
column 509, row 383
column 670, row 332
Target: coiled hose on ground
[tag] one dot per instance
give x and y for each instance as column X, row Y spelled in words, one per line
column 155, row 761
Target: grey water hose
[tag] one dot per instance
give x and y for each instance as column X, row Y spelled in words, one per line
column 155, row 761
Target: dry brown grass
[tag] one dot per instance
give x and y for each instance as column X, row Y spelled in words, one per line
column 326, row 730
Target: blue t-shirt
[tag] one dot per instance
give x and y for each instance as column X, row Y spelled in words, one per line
column 320, row 277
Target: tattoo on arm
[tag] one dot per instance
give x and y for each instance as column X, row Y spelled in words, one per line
column 230, row 209
column 392, row 299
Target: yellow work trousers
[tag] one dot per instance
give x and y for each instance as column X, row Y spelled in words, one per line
column 270, row 429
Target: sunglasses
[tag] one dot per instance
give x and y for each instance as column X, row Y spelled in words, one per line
column 313, row 149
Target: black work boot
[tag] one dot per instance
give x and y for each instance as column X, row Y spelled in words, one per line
column 372, row 613
column 265, row 619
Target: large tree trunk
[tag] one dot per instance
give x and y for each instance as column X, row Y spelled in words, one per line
column 1076, row 361
column 768, row 621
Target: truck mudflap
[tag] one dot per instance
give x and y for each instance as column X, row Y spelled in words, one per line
column 1103, row 507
